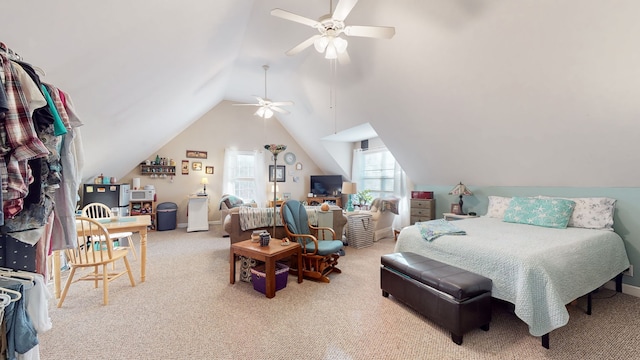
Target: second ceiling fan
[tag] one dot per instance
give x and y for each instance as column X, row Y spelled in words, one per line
column 330, row 27
column 267, row 107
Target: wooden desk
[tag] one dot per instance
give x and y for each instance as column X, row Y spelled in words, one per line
column 268, row 254
column 126, row 223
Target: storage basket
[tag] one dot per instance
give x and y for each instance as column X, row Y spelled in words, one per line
column 259, row 277
column 360, row 230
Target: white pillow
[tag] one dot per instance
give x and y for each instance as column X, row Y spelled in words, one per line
column 592, row 213
column 497, row 206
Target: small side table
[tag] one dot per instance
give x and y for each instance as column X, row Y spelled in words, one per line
column 452, row 216
column 268, row 254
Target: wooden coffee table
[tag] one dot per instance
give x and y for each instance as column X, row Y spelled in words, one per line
column 269, row 254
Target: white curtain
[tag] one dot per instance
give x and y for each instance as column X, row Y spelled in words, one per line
column 400, row 189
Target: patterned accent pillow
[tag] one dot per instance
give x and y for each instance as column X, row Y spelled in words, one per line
column 497, row 206
column 592, row 213
column 553, row 213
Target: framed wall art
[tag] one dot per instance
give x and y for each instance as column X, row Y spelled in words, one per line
column 196, row 154
column 196, row 166
column 185, row 167
column 209, row 170
column 277, row 172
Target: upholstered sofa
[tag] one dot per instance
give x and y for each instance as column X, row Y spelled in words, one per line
column 233, row 227
column 228, row 202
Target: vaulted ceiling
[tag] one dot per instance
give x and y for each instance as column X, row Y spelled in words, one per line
column 493, row 92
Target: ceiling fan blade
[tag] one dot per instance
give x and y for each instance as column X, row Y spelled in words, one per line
column 343, row 58
column 282, row 111
column 343, row 9
column 282, row 103
column 294, row 17
column 379, row 32
column 303, row 45
column 245, row 104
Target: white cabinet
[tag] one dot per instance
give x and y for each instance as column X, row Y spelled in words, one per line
column 198, row 213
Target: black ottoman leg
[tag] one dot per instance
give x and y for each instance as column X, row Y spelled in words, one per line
column 385, row 294
column 485, row 327
column 456, row 338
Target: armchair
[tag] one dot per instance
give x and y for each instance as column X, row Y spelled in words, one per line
column 383, row 212
column 319, row 257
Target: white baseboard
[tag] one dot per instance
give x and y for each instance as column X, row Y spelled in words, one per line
column 184, row 225
column 626, row 289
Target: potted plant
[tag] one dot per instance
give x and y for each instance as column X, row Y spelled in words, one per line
column 363, row 198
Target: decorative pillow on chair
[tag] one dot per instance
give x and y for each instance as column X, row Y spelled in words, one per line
column 497, row 206
column 553, row 213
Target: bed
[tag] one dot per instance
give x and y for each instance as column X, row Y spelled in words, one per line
column 537, row 269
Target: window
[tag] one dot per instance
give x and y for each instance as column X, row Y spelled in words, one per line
column 242, row 174
column 376, row 172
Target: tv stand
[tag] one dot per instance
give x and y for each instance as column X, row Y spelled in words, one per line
column 318, row 200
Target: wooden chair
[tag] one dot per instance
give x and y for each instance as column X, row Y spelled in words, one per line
column 102, row 211
column 320, row 257
column 95, row 254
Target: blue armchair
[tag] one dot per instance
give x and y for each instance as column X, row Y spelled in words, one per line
column 320, row 257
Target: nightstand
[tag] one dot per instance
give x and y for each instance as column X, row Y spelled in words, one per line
column 452, row 216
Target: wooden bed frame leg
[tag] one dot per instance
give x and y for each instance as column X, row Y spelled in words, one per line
column 545, row 340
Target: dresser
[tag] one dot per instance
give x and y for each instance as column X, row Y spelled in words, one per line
column 198, row 213
column 422, row 210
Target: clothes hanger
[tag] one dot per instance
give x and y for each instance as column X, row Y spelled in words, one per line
column 10, row 292
column 23, row 277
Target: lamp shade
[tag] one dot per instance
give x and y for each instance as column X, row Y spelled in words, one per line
column 349, row 188
column 204, row 181
column 460, row 189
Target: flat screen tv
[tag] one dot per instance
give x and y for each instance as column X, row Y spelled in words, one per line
column 326, row 185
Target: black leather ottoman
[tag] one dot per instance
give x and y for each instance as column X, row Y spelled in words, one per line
column 454, row 298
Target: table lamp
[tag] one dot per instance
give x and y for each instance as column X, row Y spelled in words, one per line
column 349, row 188
column 461, row 190
column 204, row 182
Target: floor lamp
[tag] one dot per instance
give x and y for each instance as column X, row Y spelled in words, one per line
column 275, row 150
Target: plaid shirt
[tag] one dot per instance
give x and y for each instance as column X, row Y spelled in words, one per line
column 19, row 141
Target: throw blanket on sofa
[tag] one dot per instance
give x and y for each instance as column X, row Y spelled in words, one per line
column 436, row 228
column 253, row 218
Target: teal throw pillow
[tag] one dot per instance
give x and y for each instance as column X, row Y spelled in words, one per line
column 553, row 213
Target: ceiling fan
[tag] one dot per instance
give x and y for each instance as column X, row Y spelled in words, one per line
column 330, row 27
column 267, row 107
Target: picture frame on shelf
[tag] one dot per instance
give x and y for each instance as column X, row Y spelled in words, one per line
column 196, row 154
column 209, row 170
column 196, row 166
column 185, row 167
column 277, row 172
column 455, row 209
